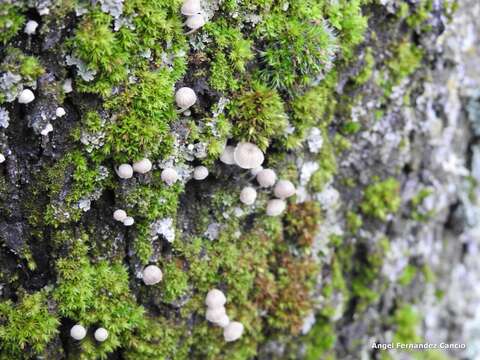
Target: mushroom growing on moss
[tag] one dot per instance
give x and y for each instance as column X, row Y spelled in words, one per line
column 227, row 155
column 152, row 275
column 248, row 195
column 195, row 22
column 78, row 332
column 276, row 207
column 26, row 96
column 119, row 215
column 233, row 331
column 248, row 155
column 128, row 221
column 125, row 171
column 30, row 27
column 284, row 189
column 200, row 173
column 191, row 7
column 216, row 315
column 266, row 178
column 169, row 176
column 185, row 97
column 142, row 166
column 60, row 112
column 101, row 334
column 2, row 158
column 215, row 298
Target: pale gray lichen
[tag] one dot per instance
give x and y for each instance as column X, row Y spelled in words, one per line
column 4, row 118
column 10, row 85
column 112, row 7
column 82, row 68
column 164, row 227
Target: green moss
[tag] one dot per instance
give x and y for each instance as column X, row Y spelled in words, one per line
column 368, row 65
column 258, row 115
column 417, row 213
column 11, row 21
column 406, row 320
column 302, row 222
column 381, row 198
column 175, row 282
column 322, row 338
column 27, row 326
column 354, row 222
column 408, row 275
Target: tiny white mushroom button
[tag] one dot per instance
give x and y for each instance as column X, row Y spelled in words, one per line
column 233, row 331
column 2, row 158
column 248, row 155
column 215, row 315
column 266, row 178
column 125, row 171
column 143, row 166
column 215, row 298
column 227, row 155
column 101, row 334
column 119, row 215
column 31, row 27
column 78, row 332
column 275, row 207
column 248, row 195
column 128, row 221
column 60, row 112
column 169, row 176
column 48, row 129
column 152, row 275
column 26, row 96
column 191, row 7
column 195, row 22
column 284, row 189
column 200, row 173
column 185, row 97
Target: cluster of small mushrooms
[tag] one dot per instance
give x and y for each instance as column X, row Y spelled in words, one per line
column 249, row 156
column 217, row 314
column 192, row 9
column 78, row 332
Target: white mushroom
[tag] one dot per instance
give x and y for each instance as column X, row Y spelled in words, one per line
column 128, row 221
column 256, row 170
column 233, row 331
column 223, row 321
column 48, row 129
column 191, row 7
column 101, row 334
column 26, row 96
column 227, row 155
column 2, row 158
column 60, row 112
column 284, row 189
column 119, row 215
column 185, row 97
column 266, row 178
column 215, row 298
column 67, row 86
column 248, row 195
column 169, row 176
column 200, row 173
column 125, row 171
column 215, row 315
column 248, row 155
column 78, row 332
column 195, row 22
column 275, row 207
column 30, row 27
column 152, row 275
column 143, row 166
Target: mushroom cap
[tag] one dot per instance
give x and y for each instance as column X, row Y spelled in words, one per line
column 143, row 166
column 215, row 315
column 233, row 331
column 30, row 27
column 169, row 176
column 223, row 321
column 275, row 207
column 101, row 334
column 215, row 298
column 26, row 96
column 227, row 155
column 195, row 21
column 248, row 155
column 119, row 215
column 48, row 128
column 200, row 173
column 152, row 275
column 78, row 332
column 60, row 112
column 128, row 221
column 185, row 97
column 256, row 170
column 125, row 171
column 284, row 189
column 191, row 7
column 2, row 158
column 248, row 195
column 266, row 178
